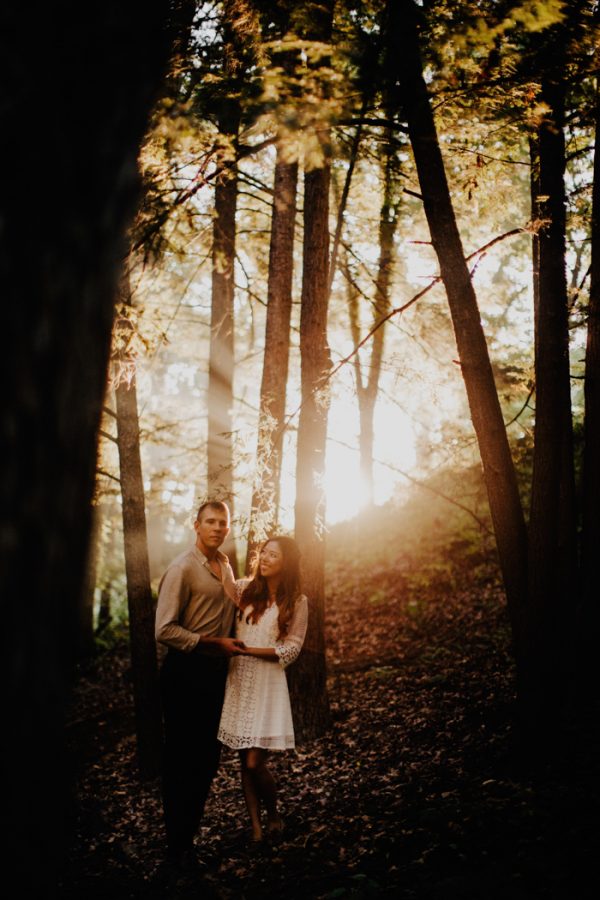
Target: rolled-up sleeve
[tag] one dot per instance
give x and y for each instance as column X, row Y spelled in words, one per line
column 289, row 648
column 173, row 595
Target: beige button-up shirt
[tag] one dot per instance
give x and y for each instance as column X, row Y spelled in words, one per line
column 193, row 602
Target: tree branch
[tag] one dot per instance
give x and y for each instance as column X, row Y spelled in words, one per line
column 398, row 310
column 425, row 487
column 100, row 471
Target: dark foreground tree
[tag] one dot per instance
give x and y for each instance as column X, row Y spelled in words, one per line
column 76, row 89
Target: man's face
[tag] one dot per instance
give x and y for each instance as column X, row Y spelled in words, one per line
column 212, row 528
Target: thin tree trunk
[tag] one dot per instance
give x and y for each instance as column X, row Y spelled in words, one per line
column 220, row 364
column 534, row 186
column 308, row 674
column 343, row 201
column 365, row 437
column 104, row 613
column 85, row 631
column 237, row 18
column 137, row 569
column 265, row 497
column 388, row 221
column 367, row 391
column 552, row 548
column 591, row 459
column 486, row 414
column 58, row 282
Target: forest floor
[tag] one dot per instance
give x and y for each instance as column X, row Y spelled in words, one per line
column 414, row 792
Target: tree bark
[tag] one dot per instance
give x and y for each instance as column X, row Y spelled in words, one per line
column 534, row 186
column 265, row 497
column 85, row 630
column 486, row 414
column 308, row 674
column 367, row 397
column 99, row 73
column 140, row 604
column 220, row 365
column 552, row 548
column 104, row 613
column 221, row 354
column 591, row 458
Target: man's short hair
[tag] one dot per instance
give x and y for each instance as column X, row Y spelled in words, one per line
column 212, row 504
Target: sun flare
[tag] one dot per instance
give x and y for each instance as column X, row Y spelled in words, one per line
column 394, row 451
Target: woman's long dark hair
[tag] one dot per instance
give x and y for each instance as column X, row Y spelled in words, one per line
column 256, row 593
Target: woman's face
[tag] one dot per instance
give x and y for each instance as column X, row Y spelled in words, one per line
column 271, row 560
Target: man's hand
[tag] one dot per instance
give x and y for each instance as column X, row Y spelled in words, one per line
column 221, row 647
column 232, row 647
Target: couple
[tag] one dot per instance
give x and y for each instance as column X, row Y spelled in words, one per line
column 218, row 688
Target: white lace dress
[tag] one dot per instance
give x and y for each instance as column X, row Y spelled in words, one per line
column 256, row 709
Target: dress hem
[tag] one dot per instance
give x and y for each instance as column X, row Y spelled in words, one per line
column 236, row 743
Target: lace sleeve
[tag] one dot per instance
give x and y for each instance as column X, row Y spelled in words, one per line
column 235, row 589
column 288, row 649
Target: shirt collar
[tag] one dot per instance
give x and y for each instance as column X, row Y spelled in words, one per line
column 220, row 556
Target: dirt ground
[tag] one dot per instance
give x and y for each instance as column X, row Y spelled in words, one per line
column 415, row 792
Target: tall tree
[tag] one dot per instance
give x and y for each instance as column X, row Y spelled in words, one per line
column 308, row 675
column 367, row 385
column 100, row 73
column 140, row 603
column 539, row 569
column 85, row 630
column 265, row 497
column 534, row 189
column 552, row 553
column 486, row 414
column 591, row 467
column 266, row 488
column 237, row 28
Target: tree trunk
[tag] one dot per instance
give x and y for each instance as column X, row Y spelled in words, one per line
column 58, row 280
column 591, row 458
column 388, row 221
column 137, row 569
column 220, row 365
column 85, row 630
column 221, row 354
column 104, row 613
column 265, row 497
column 366, row 391
column 534, row 185
column 308, row 674
column 486, row 414
column 552, row 559
column 366, row 404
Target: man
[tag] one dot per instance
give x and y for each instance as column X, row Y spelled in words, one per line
column 194, row 619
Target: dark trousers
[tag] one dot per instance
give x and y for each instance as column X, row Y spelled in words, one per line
column 192, row 688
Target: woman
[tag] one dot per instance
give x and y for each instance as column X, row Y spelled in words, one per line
column 257, row 717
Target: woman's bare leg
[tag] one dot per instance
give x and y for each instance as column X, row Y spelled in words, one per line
column 264, row 785
column 251, row 796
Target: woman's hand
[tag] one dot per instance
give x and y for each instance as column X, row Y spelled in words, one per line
column 266, row 653
column 224, row 646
